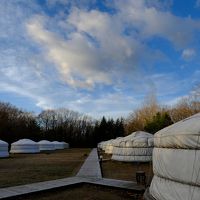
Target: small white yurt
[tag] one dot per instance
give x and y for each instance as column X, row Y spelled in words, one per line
column 110, row 145
column 66, row 145
column 24, row 146
column 58, row 145
column 104, row 144
column 136, row 147
column 176, row 161
column 45, row 145
column 3, row 149
column 100, row 145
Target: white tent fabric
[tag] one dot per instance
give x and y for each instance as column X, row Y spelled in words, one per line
column 136, row 147
column 102, row 145
column 165, row 189
column 176, row 161
column 184, row 134
column 110, row 145
column 180, row 165
column 24, row 146
column 58, row 145
column 45, row 145
column 66, row 145
column 3, row 149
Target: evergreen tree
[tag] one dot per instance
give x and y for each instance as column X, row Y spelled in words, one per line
column 159, row 121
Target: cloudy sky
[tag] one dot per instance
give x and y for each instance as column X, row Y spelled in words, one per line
column 98, row 57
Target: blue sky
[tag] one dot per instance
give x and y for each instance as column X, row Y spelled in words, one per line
column 97, row 57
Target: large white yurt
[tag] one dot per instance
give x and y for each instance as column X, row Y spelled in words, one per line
column 136, row 147
column 3, row 149
column 45, row 145
column 58, row 145
column 24, row 146
column 110, row 145
column 176, row 161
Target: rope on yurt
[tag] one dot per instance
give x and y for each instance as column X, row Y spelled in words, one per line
column 150, row 167
column 196, row 149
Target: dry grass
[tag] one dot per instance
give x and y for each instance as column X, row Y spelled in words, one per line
column 125, row 170
column 84, row 192
column 21, row 169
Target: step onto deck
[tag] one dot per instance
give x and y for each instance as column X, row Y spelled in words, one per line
column 37, row 187
column 90, row 172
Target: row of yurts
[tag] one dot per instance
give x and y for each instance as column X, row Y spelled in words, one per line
column 175, row 152
column 30, row 146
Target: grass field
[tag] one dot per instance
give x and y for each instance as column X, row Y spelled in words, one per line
column 125, row 170
column 21, row 169
column 83, row 192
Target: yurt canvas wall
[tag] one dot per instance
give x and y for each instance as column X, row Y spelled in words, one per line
column 3, row 149
column 110, row 145
column 24, row 146
column 176, row 161
column 136, row 147
column 66, row 145
column 58, row 145
column 102, row 145
column 45, row 145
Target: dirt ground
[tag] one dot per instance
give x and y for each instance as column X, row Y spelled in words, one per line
column 21, row 169
column 84, row 192
column 124, row 170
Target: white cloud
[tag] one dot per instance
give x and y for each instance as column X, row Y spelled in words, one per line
column 197, row 3
column 76, row 59
column 96, row 50
column 90, row 49
column 150, row 21
column 188, row 54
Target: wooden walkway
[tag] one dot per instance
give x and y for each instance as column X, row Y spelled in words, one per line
column 90, row 172
column 91, row 167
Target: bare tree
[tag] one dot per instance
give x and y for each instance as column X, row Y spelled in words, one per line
column 138, row 118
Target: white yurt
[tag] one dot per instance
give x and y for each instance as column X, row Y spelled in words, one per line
column 110, row 145
column 45, row 145
column 58, row 145
column 103, row 144
column 136, row 147
column 24, row 146
column 100, row 145
column 66, row 145
column 176, row 161
column 3, row 149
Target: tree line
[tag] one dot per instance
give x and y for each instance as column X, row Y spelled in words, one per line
column 62, row 124
column 80, row 130
column 152, row 116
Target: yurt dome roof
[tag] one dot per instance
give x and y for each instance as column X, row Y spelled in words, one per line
column 136, row 139
column 44, row 142
column 56, row 142
column 24, row 146
column 183, row 134
column 25, row 141
column 3, row 143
